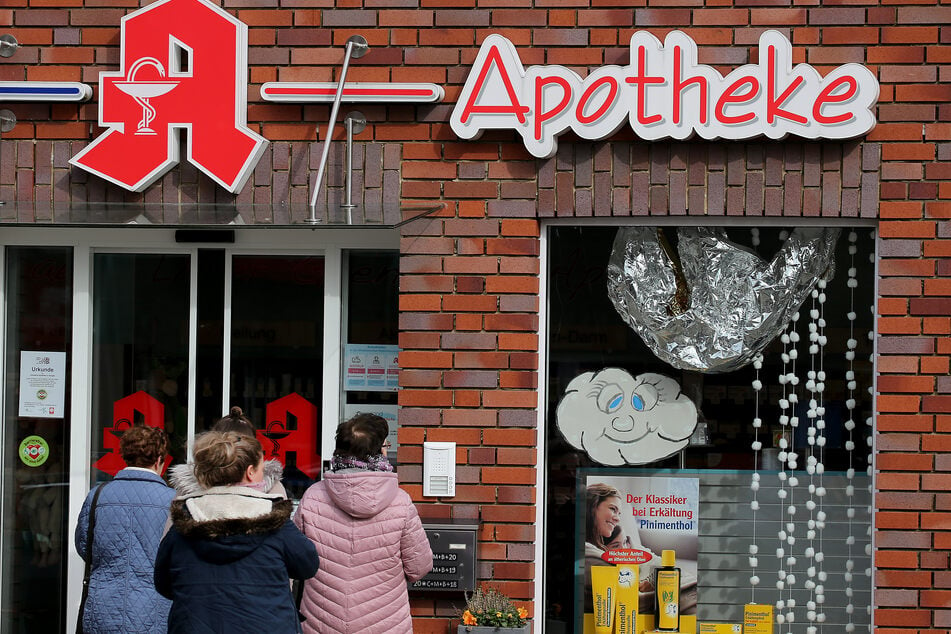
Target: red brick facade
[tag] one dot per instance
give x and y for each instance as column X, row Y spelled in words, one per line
column 469, row 286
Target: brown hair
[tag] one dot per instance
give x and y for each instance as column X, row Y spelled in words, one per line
column 224, row 457
column 142, row 446
column 361, row 437
column 235, row 421
column 598, row 493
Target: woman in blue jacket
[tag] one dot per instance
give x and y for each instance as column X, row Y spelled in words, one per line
column 129, row 518
column 227, row 561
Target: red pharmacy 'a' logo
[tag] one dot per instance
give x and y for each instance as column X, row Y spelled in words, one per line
column 139, row 405
column 183, row 67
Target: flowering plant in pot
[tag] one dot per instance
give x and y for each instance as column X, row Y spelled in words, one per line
column 488, row 610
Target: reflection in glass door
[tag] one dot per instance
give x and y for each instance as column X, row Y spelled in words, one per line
column 38, row 288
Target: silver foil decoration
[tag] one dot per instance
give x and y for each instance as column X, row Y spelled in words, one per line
column 711, row 305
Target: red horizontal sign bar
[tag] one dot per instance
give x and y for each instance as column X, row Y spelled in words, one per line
column 352, row 91
column 363, row 92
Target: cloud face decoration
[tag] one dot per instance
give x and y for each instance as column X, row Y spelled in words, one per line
column 620, row 419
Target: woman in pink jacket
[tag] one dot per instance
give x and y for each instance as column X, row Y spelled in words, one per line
column 368, row 536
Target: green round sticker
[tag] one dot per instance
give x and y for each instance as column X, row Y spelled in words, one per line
column 34, row 451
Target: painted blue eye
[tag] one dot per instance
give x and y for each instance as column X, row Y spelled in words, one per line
column 637, row 402
column 611, row 398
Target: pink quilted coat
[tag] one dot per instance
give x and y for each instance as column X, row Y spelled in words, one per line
column 370, row 541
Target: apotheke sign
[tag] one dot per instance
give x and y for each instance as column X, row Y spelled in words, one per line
column 184, row 67
column 663, row 92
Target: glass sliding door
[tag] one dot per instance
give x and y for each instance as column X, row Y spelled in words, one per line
column 137, row 328
column 269, row 363
column 38, row 288
column 276, row 357
column 140, row 358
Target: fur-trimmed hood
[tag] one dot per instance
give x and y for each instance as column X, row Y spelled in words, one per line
column 226, row 523
column 182, row 477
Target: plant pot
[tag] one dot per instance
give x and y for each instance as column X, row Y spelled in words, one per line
column 491, row 629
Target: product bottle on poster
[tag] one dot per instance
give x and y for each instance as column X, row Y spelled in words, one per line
column 667, row 594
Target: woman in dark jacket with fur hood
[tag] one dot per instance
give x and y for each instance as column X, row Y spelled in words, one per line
column 182, row 476
column 227, row 561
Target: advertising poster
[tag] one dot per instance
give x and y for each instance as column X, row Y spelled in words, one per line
column 632, row 519
column 371, row 367
column 42, row 384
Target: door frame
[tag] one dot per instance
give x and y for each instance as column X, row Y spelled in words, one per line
column 87, row 241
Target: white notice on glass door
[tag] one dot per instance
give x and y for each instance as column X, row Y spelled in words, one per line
column 42, row 384
column 371, row 368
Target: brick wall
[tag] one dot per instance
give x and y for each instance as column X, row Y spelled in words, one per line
column 469, row 276
column 36, row 173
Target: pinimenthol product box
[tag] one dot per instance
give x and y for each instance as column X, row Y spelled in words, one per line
column 645, row 624
column 721, row 628
column 757, row 619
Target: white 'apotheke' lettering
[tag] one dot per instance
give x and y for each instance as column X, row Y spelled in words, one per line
column 663, row 92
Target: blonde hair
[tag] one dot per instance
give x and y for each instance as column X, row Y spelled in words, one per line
column 224, row 457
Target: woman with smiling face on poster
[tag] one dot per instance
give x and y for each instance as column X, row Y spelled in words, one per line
column 603, row 533
column 604, row 520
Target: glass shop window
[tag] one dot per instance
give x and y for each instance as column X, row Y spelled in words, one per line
column 709, row 393
column 371, row 372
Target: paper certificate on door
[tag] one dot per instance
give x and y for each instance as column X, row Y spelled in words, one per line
column 42, row 384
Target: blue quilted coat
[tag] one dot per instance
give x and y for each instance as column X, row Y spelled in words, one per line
column 130, row 517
